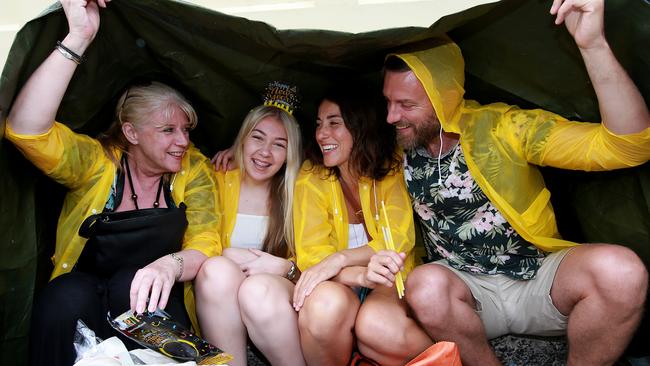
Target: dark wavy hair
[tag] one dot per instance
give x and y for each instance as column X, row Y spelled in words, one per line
column 374, row 148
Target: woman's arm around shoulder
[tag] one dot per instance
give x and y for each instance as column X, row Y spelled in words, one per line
column 196, row 186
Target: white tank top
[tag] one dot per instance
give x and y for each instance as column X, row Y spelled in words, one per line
column 249, row 231
column 356, row 236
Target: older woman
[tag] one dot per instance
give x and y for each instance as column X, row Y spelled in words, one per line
column 143, row 169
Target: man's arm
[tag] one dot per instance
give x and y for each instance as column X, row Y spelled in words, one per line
column 622, row 107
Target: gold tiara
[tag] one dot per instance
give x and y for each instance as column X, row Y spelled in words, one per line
column 282, row 95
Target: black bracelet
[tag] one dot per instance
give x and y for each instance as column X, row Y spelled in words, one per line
column 68, row 53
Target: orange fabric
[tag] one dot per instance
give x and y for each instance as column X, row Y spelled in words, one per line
column 440, row 354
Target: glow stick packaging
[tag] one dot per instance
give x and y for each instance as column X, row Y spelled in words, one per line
column 159, row 332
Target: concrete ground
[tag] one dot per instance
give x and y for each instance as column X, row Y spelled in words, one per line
column 511, row 350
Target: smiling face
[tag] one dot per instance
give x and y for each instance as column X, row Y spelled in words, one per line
column 333, row 137
column 265, row 149
column 158, row 145
column 409, row 110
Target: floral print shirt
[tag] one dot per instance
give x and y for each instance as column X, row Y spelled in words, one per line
column 458, row 221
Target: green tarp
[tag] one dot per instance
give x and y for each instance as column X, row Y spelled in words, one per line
column 514, row 54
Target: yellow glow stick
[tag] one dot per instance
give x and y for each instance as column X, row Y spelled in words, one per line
column 390, row 245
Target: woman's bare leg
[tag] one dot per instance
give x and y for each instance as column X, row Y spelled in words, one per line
column 385, row 332
column 217, row 306
column 326, row 324
column 266, row 307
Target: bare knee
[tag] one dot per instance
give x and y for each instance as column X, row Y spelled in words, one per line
column 263, row 299
column 617, row 274
column 329, row 309
column 382, row 333
column 429, row 289
column 218, row 276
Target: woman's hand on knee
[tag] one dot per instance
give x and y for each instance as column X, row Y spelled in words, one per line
column 152, row 285
column 309, row 279
column 265, row 263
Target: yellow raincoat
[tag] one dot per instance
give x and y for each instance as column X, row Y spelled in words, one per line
column 228, row 186
column 320, row 216
column 79, row 163
column 502, row 142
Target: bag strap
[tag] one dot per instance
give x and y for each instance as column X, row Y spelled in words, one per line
column 354, row 201
column 87, row 228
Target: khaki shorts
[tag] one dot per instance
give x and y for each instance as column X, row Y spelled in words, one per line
column 506, row 305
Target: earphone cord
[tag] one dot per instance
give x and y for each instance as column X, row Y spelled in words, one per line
column 439, row 154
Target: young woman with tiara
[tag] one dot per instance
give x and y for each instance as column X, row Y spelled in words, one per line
column 247, row 292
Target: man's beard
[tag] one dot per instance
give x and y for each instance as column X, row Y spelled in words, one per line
column 422, row 134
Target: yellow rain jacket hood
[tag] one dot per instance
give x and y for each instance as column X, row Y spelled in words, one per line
column 502, row 143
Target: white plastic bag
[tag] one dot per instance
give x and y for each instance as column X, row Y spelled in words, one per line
column 110, row 352
column 92, row 351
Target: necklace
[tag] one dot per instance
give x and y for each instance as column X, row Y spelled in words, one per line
column 352, row 200
column 355, row 204
column 134, row 196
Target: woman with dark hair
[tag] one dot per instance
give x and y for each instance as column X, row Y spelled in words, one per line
column 349, row 193
column 151, row 191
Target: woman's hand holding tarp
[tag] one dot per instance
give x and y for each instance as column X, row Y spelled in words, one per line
column 83, row 21
column 35, row 107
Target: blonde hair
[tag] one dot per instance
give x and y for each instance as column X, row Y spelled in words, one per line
column 136, row 105
column 279, row 239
